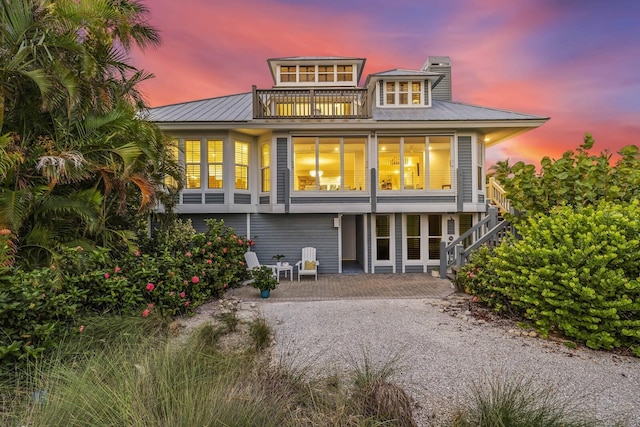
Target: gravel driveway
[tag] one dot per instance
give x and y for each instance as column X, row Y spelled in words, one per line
column 441, row 355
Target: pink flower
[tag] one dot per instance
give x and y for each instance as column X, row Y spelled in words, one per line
column 471, row 275
column 81, row 328
column 107, row 275
column 235, row 237
column 239, row 241
column 195, row 279
column 183, row 294
column 150, row 306
column 208, row 243
column 203, row 250
column 219, row 239
column 188, row 254
column 44, row 296
column 117, row 269
column 137, row 253
column 184, row 282
column 225, row 286
column 79, row 248
column 145, row 312
column 474, row 299
column 241, row 262
column 186, row 303
column 224, row 250
column 150, row 286
column 209, row 261
column 171, row 293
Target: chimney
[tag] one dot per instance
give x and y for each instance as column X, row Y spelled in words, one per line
column 442, row 65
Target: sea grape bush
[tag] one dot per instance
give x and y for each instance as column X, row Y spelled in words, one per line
column 173, row 274
column 574, row 271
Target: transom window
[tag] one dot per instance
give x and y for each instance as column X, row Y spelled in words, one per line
column 414, row 163
column 403, row 93
column 329, row 163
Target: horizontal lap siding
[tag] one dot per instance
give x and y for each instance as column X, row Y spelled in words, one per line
column 465, row 165
column 236, row 221
column 242, row 199
column 265, row 200
column 214, row 198
column 192, row 198
column 288, row 234
column 281, row 162
column 414, row 269
column 328, row 200
column 416, row 199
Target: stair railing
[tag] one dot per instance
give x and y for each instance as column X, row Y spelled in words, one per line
column 497, row 196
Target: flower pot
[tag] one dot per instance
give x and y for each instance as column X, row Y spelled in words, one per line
column 265, row 293
column 278, row 263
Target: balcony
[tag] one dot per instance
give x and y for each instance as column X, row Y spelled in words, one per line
column 352, row 103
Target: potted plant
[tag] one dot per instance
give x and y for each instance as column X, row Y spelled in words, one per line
column 264, row 280
column 278, row 258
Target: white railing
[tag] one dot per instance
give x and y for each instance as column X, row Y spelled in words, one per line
column 497, row 196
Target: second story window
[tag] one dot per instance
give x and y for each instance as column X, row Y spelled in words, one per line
column 403, row 93
column 192, row 163
column 307, row 73
column 172, row 152
column 242, row 165
column 345, row 73
column 288, row 74
column 326, row 73
column 265, row 167
column 214, row 163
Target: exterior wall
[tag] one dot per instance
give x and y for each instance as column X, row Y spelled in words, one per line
column 237, row 221
column 465, row 166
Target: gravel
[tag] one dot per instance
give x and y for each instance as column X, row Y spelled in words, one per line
column 440, row 350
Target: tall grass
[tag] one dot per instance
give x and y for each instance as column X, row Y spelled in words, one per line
column 517, row 401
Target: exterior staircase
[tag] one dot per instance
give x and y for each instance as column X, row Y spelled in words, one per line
column 490, row 231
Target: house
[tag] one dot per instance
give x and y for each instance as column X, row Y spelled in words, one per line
column 373, row 176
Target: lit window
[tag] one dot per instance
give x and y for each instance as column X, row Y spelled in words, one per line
column 413, row 237
column 242, row 165
column 403, row 93
column 383, row 237
column 265, row 167
column 329, row 163
column 214, row 163
column 439, row 163
column 192, row 163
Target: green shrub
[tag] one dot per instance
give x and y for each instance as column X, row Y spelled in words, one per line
column 573, row 271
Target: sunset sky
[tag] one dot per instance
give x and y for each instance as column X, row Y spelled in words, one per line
column 576, row 61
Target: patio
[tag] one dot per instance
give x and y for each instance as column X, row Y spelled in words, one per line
column 352, row 286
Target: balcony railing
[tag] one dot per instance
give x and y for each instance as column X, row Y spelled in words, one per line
column 350, row 103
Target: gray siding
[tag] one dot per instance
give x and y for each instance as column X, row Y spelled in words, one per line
column 265, row 200
column 465, row 167
column 281, row 161
column 480, row 198
column 328, row 200
column 214, row 198
column 241, row 199
column 288, row 234
column 384, row 269
column 416, row 199
column 413, row 269
column 236, row 221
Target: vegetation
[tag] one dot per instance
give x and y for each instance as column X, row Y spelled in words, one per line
column 574, row 269
column 576, row 180
column 517, row 401
column 263, row 278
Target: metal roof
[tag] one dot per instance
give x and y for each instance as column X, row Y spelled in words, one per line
column 232, row 108
column 238, row 108
column 398, row 72
column 448, row 111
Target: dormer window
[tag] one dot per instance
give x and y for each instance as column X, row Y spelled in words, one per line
column 329, row 75
column 399, row 93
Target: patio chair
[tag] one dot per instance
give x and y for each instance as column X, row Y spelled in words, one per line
column 252, row 262
column 308, row 265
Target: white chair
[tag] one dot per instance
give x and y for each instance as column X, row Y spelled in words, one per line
column 252, row 262
column 308, row 265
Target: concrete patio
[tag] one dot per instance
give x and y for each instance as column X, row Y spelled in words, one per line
column 352, row 286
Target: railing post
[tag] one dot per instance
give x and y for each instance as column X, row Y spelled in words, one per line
column 459, row 260
column 255, row 101
column 493, row 217
column 443, row 259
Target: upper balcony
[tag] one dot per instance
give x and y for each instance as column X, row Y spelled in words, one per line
column 335, row 103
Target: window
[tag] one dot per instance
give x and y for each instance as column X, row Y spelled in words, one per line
column 172, row 153
column 383, row 237
column 329, row 163
column 413, row 237
column 435, row 236
column 307, row 73
column 265, row 167
column 326, row 73
column 192, row 163
column 403, row 93
column 481, row 182
column 401, row 163
column 214, row 164
column 288, row 74
column 345, row 73
column 242, row 165
column 439, row 163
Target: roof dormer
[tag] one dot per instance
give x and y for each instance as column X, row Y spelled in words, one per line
column 403, row 88
column 316, row 71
